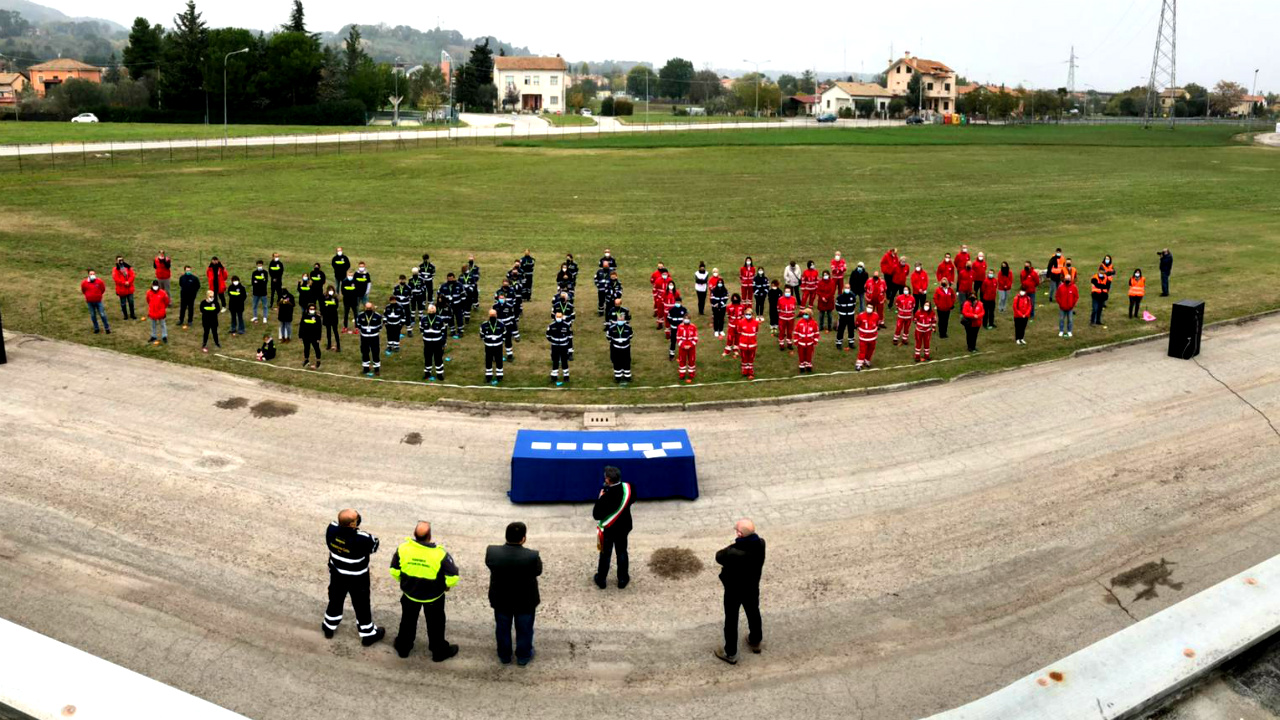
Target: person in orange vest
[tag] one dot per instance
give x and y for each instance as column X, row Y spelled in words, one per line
column 971, row 317
column 1068, row 296
column 1069, row 272
column 748, row 340
column 1137, row 290
column 1100, row 289
column 807, row 337
column 905, row 304
column 732, row 313
column 1022, row 307
column 786, row 320
column 876, row 293
column 1055, row 274
column 868, row 326
column 926, row 320
column 687, row 349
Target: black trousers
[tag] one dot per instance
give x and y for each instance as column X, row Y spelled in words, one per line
column 1019, row 328
column 559, row 359
column 971, row 336
column 613, row 543
column 332, row 338
column 989, row 313
column 919, row 300
column 509, row 337
column 621, row 363
column 458, row 319
column 944, row 316
column 357, row 586
column 702, row 302
column 369, row 349
column 349, row 310
column 717, row 319
column 601, row 297
column 750, row 603
column 307, row 345
column 433, row 359
column 207, row 331
column 186, row 310
column 277, row 287
column 434, row 613
column 891, row 290
column 393, row 336
column 1135, row 306
column 760, row 300
column 493, row 361
column 844, row 325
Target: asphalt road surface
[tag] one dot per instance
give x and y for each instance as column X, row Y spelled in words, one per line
column 925, row 547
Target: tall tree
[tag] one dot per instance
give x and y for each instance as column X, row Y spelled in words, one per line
column 142, row 54
column 642, row 79
column 297, row 19
column 808, row 83
column 246, row 75
column 674, row 79
column 914, row 95
column 584, row 69
column 788, row 84
column 112, row 75
column 705, row 86
column 472, row 79
column 1226, row 96
column 294, row 63
column 182, row 79
column 755, row 90
column 352, row 53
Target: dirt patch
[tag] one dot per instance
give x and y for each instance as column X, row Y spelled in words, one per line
column 213, row 462
column 232, row 403
column 273, row 409
column 41, row 224
column 1148, row 575
column 197, row 169
column 413, row 438
column 674, row 563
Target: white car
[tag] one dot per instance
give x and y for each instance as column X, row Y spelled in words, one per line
column 85, row 117
column 586, row 112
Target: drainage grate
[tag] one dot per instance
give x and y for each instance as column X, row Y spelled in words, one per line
column 599, row 420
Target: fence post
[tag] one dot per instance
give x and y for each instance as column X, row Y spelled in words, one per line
column 246, row 148
column 316, row 152
column 339, row 147
column 19, row 159
column 53, row 158
column 171, row 151
column 84, row 156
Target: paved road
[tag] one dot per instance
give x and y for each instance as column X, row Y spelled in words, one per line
column 925, row 547
column 1272, row 139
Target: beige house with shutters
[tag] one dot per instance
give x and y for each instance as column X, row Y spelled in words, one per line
column 938, row 82
column 538, row 84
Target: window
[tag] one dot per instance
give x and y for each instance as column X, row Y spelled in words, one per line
column 908, row 69
column 555, row 100
column 899, row 69
column 526, row 79
column 555, row 80
column 946, row 104
column 930, row 86
column 537, row 79
column 946, row 86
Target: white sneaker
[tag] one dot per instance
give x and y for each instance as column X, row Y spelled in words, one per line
column 1061, row 334
column 1068, row 334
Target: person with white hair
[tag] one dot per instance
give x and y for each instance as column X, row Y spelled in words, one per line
column 741, row 565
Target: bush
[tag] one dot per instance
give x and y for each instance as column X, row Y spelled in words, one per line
column 846, row 113
column 606, row 106
column 623, row 107
column 680, row 112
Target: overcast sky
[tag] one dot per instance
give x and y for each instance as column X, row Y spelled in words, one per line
column 999, row 41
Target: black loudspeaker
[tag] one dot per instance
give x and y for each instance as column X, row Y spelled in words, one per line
column 3, row 358
column 1184, row 329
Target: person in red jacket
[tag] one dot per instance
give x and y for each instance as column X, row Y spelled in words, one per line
column 964, row 286
column 124, row 277
column 733, row 312
column 217, row 276
column 669, row 300
column 1029, row 280
column 748, row 339
column 807, row 337
column 889, row 266
column 901, row 281
column 1021, row 313
column 905, row 304
column 971, row 317
column 828, row 286
column 988, row 294
column 926, row 320
column 946, row 270
column 962, row 257
column 163, row 265
column 1004, row 284
column 786, row 320
column 838, row 269
column 687, row 349
column 979, row 273
column 920, row 284
column 659, row 280
column 747, row 277
column 1068, row 296
column 93, row 290
column 876, row 291
column 944, row 300
column 868, row 326
column 157, row 309
column 809, row 285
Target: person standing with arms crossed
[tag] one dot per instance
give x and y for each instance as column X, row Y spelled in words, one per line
column 188, row 291
column 369, row 323
column 513, row 593
column 275, row 270
column 741, row 565
column 93, row 290
column 425, row 573
column 349, row 551
column 971, row 315
column 612, row 514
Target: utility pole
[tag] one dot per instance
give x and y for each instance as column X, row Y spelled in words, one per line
column 1071, row 73
column 1252, row 93
column 224, row 91
column 443, row 56
column 1164, row 62
column 752, row 62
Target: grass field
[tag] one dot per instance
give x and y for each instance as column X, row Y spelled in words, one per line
column 570, row 120
column 1014, row 193
column 13, row 133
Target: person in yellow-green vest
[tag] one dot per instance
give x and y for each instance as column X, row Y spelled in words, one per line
column 425, row 573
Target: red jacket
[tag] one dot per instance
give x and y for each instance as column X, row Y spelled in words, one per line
column 889, row 264
column 1068, row 296
column 944, row 298
column 157, row 304
column 876, row 290
column 900, row 274
column 786, row 308
column 1022, row 306
column 827, row 294
column 163, row 267
column 809, row 280
column 732, row 313
column 973, row 312
column 839, row 268
column 747, row 275
column 713, row 280
column 124, row 280
column 990, row 289
column 980, row 270
column 946, row 271
column 961, row 258
column 687, row 336
column 926, row 321
column 1030, row 280
column 919, row 282
column 906, row 304
column 807, row 334
column 868, row 324
column 1004, row 281
column 966, row 281
column 93, row 291
column 748, row 333
column 217, row 278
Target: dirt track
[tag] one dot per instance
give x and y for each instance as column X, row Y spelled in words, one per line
column 925, row 547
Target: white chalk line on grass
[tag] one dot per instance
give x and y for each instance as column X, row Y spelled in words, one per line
column 673, row 386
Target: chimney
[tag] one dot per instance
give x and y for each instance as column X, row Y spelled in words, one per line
column 907, row 54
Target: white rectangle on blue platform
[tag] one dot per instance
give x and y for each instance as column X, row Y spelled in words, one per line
column 568, row 466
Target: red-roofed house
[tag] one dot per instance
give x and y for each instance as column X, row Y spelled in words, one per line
column 939, row 82
column 11, row 84
column 55, row 72
column 1248, row 103
column 539, row 82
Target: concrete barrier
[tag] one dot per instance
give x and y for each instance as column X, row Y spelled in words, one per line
column 48, row 680
column 1136, row 669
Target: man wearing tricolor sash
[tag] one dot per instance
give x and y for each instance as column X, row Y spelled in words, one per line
column 612, row 514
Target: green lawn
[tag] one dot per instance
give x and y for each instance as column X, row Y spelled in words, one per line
column 12, row 133
column 1013, row 193
column 571, row 120
column 665, row 117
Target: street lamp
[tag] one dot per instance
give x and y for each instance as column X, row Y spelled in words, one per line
column 1252, row 93
column 395, row 70
column 757, row 64
column 224, row 90
column 444, row 55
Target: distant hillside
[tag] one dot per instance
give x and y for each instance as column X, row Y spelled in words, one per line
column 414, row 47
column 33, row 33
column 36, row 14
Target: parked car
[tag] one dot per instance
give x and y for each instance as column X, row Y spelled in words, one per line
column 586, row 112
column 915, row 120
column 85, row 117
column 827, row 117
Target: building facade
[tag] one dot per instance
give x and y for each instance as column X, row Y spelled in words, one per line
column 49, row 75
column 531, row 84
column 11, row 85
column 938, row 82
column 847, row 94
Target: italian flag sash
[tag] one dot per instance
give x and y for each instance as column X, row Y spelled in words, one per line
column 609, row 521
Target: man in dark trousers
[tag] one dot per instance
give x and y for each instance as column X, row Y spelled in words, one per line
column 741, row 564
column 349, row 551
column 613, row 524
column 425, row 573
column 369, row 323
column 276, row 272
column 619, row 335
column 188, row 291
column 1166, row 268
column 435, row 331
column 513, row 592
column 493, row 333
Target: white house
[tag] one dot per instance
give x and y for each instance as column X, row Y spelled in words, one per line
column 847, row 94
column 540, row 83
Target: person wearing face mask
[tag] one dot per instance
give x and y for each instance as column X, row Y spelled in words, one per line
column 560, row 337
column 700, row 277
column 905, row 305
column 451, row 297
column 944, row 300
column 616, row 310
column 971, row 318
column 402, row 295
column 506, row 312
column 393, row 320
column 925, row 320
column 340, row 264
column 964, row 286
column 492, row 334
column 124, row 278
column 364, row 282
column 791, row 277
column 309, row 333
column 209, row 311
column 157, row 309
column 307, row 291
column 370, row 324
column 608, row 260
column 417, row 296
column 809, row 285
column 1021, row 314
column 670, row 298
column 748, row 340
column 901, row 282
column 838, row 269
column 350, row 299
column 989, row 293
column 188, row 291
column 687, row 345
column 733, row 313
column 858, row 284
column 946, row 270
column 526, row 269
column 275, row 270
column 760, row 291
column 267, row 351
column 472, row 284
column 1069, row 272
column 318, row 278
column 807, row 337
column 562, row 277
column 827, row 289
column 889, row 266
column 1029, row 281
column 93, row 290
column 775, row 294
column 259, row 285
column 868, row 324
column 602, row 287
column 846, row 310
column 747, row 277
column 428, row 271
column 719, row 301
column 619, row 336
column 329, row 317
column 284, row 314
column 1004, row 284
column 876, row 291
column 216, row 274
column 962, row 257
column 676, row 315
column 920, row 284
column 1055, row 273
column 236, row 296
column 979, row 273
column 1067, row 297
column 1100, row 289
column 434, row 329
column 661, row 280
column 562, row 302
column 787, row 321
column 1137, row 290
column 572, row 268
column 1109, row 266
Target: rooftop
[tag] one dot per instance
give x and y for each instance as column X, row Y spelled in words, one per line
column 66, row 64
column 529, row 63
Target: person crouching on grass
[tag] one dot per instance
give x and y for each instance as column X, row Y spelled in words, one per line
column 267, row 352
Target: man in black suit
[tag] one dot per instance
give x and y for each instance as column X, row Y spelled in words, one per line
column 741, row 565
column 513, row 592
column 613, row 523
